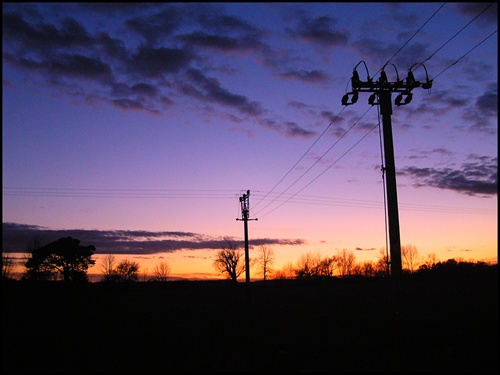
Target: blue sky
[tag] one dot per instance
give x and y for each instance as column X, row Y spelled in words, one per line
column 136, row 127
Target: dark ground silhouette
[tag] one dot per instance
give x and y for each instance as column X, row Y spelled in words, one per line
column 444, row 324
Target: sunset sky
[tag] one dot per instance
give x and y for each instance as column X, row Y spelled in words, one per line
column 136, row 128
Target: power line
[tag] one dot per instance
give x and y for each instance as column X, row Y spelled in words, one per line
column 461, row 57
column 458, row 32
column 230, row 194
column 319, row 159
column 414, row 34
column 117, row 193
column 324, row 171
column 302, row 157
column 360, row 203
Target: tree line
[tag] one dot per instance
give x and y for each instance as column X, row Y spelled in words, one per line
column 67, row 260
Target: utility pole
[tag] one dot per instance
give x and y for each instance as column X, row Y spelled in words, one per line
column 381, row 95
column 245, row 209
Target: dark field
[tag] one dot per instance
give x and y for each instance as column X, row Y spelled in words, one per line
column 362, row 325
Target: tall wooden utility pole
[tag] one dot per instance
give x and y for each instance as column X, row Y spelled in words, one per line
column 245, row 209
column 381, row 95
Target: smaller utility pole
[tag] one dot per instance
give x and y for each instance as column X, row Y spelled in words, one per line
column 245, row 209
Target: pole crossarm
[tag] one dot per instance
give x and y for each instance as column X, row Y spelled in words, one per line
column 401, row 86
column 398, row 86
column 245, row 207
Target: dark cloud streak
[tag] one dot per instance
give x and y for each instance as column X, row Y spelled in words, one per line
column 210, row 89
column 478, row 177
column 18, row 237
column 320, row 31
column 488, row 17
column 307, row 75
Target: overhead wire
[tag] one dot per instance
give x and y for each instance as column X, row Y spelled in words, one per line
column 222, row 194
column 414, row 34
column 358, row 203
column 461, row 57
column 453, row 37
column 302, row 157
column 324, row 171
column 458, row 32
column 318, row 159
column 115, row 193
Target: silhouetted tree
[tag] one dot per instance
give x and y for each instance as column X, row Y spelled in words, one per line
column 144, row 274
column 7, row 265
column 161, row 272
column 430, row 261
column 308, row 265
column 458, row 267
column 327, row 266
column 65, row 257
column 124, row 271
column 264, row 261
column 287, row 272
column 410, row 258
column 107, row 267
column 382, row 264
column 368, row 269
column 127, row 271
column 345, row 262
column 227, row 261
